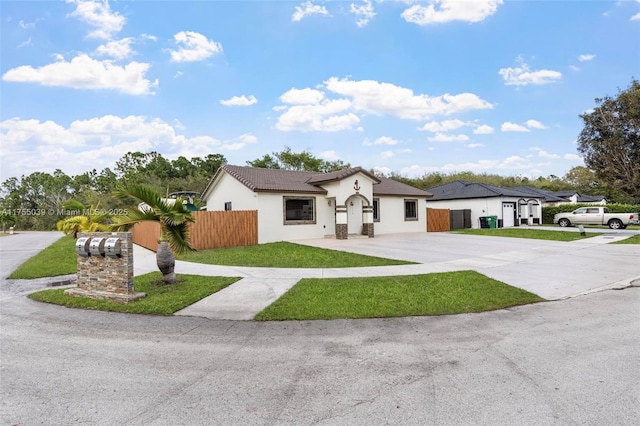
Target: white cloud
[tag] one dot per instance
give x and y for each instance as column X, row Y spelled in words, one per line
column 364, row 12
column 382, row 140
column 330, row 155
column 535, row 124
column 27, row 25
column 483, row 130
column 148, row 37
column 544, row 154
column 98, row 14
column 239, row 142
column 443, row 126
column 83, row 72
column 586, row 57
column 572, row 157
column 521, row 75
column 327, row 116
column 443, row 137
column 302, row 96
column 574, row 68
column 635, row 17
column 25, row 43
column 193, row 47
column 473, row 145
column 413, row 171
column 178, row 74
column 387, row 154
column 118, row 49
column 440, row 11
column 513, row 127
column 308, row 9
column 240, row 101
column 31, row 145
column 377, row 98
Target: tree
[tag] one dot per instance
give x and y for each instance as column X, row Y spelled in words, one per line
column 289, row 160
column 82, row 219
column 173, row 217
column 6, row 219
column 610, row 141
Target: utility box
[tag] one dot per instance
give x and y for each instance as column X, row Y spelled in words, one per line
column 82, row 247
column 112, row 247
column 96, row 248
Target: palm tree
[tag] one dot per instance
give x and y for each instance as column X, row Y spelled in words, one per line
column 91, row 222
column 173, row 218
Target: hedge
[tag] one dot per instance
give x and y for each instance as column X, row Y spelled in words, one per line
column 549, row 212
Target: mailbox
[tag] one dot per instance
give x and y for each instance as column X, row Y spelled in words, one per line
column 112, row 247
column 96, row 248
column 82, row 247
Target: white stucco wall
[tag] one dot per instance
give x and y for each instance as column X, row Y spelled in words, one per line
column 229, row 189
column 480, row 207
column 271, row 225
column 391, row 214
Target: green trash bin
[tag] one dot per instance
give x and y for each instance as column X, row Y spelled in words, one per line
column 492, row 221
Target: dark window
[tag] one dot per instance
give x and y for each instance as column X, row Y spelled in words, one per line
column 410, row 209
column 299, row 210
column 227, row 206
column 376, row 209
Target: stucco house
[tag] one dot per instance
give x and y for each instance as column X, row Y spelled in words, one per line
column 512, row 207
column 294, row 205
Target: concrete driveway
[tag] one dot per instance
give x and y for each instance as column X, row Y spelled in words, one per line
column 551, row 269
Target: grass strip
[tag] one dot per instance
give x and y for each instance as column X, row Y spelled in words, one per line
column 161, row 299
column 285, row 255
column 396, row 296
column 631, row 240
column 57, row 259
column 537, row 234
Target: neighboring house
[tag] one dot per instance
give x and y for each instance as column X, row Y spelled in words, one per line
column 295, row 205
column 556, row 198
column 511, row 206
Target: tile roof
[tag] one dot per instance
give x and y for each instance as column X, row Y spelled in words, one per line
column 288, row 181
column 393, row 187
column 462, row 189
column 273, row 180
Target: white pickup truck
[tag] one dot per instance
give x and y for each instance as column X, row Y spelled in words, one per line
column 596, row 216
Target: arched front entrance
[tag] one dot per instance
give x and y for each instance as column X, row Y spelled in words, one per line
column 355, row 217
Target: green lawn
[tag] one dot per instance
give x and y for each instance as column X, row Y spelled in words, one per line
column 57, row 259
column 285, row 255
column 538, row 234
column 374, row 297
column 632, row 240
column 160, row 300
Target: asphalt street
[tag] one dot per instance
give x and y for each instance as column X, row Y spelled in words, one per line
column 571, row 361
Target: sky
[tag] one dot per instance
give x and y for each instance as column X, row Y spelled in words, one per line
column 406, row 87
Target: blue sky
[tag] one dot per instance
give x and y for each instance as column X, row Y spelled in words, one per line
column 399, row 86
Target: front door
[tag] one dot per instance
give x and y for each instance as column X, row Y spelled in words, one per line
column 354, row 216
column 508, row 214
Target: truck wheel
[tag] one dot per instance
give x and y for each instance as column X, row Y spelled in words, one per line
column 615, row 224
column 564, row 223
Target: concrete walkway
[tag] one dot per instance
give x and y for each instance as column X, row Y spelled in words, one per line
column 551, row 269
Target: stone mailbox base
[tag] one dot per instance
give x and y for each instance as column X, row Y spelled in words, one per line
column 107, row 277
column 105, row 295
